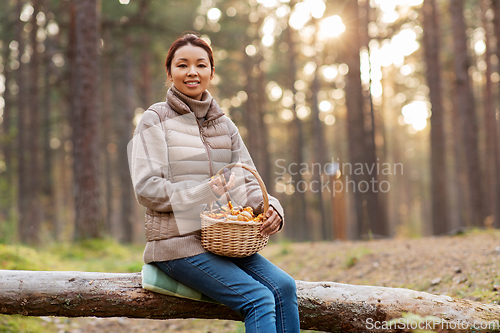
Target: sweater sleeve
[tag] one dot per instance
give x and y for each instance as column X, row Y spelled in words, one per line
column 149, row 167
column 247, row 191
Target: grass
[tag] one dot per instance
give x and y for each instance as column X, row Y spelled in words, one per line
column 16, row 324
column 94, row 255
column 355, row 255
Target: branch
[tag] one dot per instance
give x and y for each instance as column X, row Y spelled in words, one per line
column 325, row 306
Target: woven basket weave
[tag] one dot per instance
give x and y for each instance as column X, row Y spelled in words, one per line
column 234, row 238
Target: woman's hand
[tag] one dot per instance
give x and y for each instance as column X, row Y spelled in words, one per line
column 219, row 186
column 272, row 224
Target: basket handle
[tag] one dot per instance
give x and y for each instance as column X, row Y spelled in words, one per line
column 256, row 175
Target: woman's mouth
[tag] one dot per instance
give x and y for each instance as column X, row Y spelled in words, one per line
column 192, row 84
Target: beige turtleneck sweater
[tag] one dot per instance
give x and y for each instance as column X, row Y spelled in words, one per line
column 198, row 107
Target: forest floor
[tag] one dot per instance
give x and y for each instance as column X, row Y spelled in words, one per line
column 463, row 266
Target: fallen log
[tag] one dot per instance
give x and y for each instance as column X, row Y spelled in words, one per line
column 325, row 306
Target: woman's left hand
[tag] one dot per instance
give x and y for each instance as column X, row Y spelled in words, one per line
column 272, row 224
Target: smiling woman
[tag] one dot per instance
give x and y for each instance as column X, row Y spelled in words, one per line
column 177, row 147
column 191, row 71
column 190, row 67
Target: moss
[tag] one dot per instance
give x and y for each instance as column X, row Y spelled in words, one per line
column 18, row 257
column 20, row 324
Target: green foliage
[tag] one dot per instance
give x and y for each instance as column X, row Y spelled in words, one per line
column 23, row 258
column 92, row 255
column 100, row 255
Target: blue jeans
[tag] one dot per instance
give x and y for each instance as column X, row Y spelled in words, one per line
column 254, row 287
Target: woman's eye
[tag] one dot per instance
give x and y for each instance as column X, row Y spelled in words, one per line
column 202, row 65
column 181, row 65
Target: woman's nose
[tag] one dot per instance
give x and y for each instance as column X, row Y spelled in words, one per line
column 192, row 71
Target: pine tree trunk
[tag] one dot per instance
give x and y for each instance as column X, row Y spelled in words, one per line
column 107, row 131
column 125, row 131
column 88, row 218
column 6, row 140
column 145, row 67
column 23, row 196
column 440, row 223
column 33, row 212
column 370, row 212
column 467, row 112
column 145, row 98
column 254, row 108
column 250, row 108
column 300, row 223
column 72, row 103
column 324, row 227
column 490, row 126
column 263, row 136
column 464, row 201
column 47, row 185
column 496, row 26
column 377, row 206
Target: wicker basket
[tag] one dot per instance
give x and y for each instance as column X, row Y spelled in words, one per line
column 234, row 238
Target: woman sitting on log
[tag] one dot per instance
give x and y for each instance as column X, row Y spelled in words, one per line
column 177, row 147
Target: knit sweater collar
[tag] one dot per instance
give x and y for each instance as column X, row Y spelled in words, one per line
column 198, row 107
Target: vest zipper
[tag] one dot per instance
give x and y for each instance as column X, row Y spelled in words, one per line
column 207, row 148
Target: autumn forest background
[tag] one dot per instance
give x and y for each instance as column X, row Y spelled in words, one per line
column 367, row 119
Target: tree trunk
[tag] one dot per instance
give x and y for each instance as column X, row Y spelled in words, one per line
column 264, row 165
column 72, row 103
column 47, row 180
column 377, row 200
column 492, row 180
column 85, row 123
column 299, row 216
column 6, row 140
column 250, row 107
column 263, row 137
column 107, row 131
column 440, row 224
column 125, row 131
column 325, row 306
column 145, row 68
column 33, row 213
column 324, row 230
column 370, row 213
column 22, row 192
column 467, row 111
column 146, row 96
column 496, row 26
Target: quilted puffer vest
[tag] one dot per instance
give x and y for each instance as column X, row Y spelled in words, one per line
column 195, row 152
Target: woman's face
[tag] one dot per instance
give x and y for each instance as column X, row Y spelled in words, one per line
column 190, row 70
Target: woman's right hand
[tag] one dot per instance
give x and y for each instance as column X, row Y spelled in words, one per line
column 219, row 186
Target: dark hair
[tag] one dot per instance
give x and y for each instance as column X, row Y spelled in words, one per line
column 185, row 40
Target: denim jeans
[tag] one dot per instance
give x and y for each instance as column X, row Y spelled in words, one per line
column 254, row 287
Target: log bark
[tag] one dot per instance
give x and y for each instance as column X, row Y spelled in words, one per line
column 325, row 306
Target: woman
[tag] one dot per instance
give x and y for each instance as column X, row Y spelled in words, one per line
column 178, row 145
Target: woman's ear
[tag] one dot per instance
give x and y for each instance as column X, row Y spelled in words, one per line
column 213, row 72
